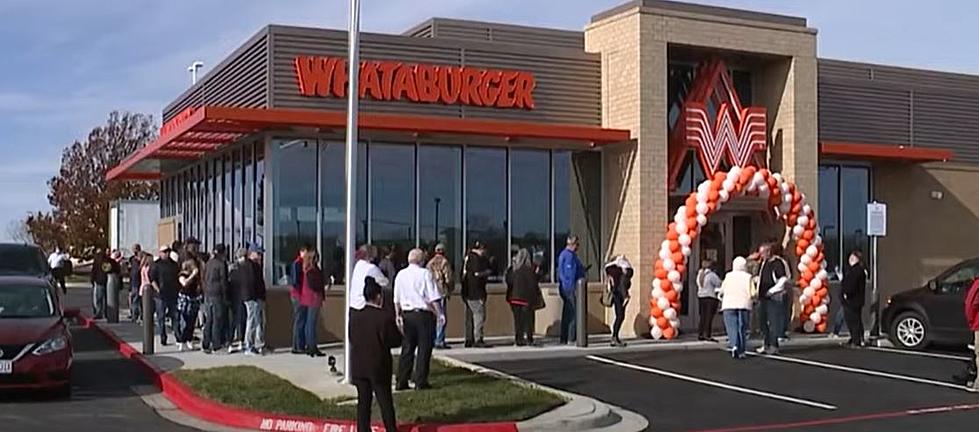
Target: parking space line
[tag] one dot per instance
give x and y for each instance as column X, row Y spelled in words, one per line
column 861, row 371
column 702, row 381
column 920, row 353
column 848, row 419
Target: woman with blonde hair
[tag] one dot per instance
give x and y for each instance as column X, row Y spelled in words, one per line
column 737, row 292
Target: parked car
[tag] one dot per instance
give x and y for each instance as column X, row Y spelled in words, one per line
column 23, row 260
column 35, row 344
column 932, row 314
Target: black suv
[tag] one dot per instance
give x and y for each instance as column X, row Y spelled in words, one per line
column 19, row 259
column 933, row 313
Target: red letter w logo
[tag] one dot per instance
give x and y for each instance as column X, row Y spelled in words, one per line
column 736, row 133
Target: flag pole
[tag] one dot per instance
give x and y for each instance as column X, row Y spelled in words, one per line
column 353, row 63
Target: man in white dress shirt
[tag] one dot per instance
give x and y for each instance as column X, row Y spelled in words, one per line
column 364, row 267
column 416, row 302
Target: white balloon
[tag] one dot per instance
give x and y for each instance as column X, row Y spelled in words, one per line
column 664, row 254
column 812, row 251
column 805, row 259
column 684, row 240
column 787, row 198
column 674, row 276
column 701, row 220
column 819, row 239
column 723, row 195
column 822, row 309
column 809, row 326
column 657, row 284
column 758, row 178
column 777, row 177
column 679, row 218
column 816, row 317
column 675, row 323
column 802, row 267
column 681, row 213
column 668, row 264
column 822, row 275
column 678, row 287
column 809, row 291
column 654, row 329
column 657, row 292
column 702, row 208
column 763, row 191
column 816, row 283
column 802, row 221
column 704, row 186
column 685, row 250
column 669, row 313
column 806, row 210
column 662, row 302
column 825, row 300
column 797, row 231
column 728, row 184
column 804, row 299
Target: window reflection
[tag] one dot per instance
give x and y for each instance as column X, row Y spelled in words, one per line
column 530, row 193
column 392, row 197
column 486, row 205
column 854, row 196
column 294, row 216
column 440, row 200
column 248, row 198
column 578, row 206
column 829, row 215
column 260, row 193
column 334, row 202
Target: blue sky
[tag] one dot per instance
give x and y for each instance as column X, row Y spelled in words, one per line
column 68, row 63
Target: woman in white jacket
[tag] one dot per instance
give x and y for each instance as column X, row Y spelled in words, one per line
column 736, row 298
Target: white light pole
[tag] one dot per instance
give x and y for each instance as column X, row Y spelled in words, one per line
column 353, row 63
column 193, row 68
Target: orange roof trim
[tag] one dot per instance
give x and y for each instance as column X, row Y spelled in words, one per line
column 884, row 151
column 197, row 132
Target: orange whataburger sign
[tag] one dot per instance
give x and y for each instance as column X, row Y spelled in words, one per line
column 420, row 83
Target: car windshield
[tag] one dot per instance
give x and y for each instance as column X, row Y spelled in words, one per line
column 18, row 301
column 22, row 260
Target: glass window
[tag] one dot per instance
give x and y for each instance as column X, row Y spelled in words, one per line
column 260, row 193
column 959, row 280
column 392, row 199
column 829, row 217
column 530, row 207
column 248, row 196
column 578, row 206
column 217, row 207
column 486, row 203
column 208, row 204
column 334, row 203
column 854, row 196
column 229, row 192
column 294, row 205
column 440, row 200
column 236, row 200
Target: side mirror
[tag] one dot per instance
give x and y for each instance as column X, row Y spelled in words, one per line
column 933, row 285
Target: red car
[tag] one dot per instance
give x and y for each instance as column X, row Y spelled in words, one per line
column 35, row 344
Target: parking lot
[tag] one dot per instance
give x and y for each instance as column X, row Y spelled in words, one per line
column 803, row 388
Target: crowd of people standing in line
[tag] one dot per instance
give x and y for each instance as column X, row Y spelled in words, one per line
column 762, row 282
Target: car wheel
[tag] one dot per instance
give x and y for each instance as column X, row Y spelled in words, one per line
column 910, row 331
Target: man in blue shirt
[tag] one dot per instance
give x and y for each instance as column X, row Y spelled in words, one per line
column 570, row 270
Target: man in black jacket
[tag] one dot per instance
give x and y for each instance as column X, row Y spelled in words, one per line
column 165, row 278
column 476, row 272
column 215, row 296
column 373, row 333
column 853, row 290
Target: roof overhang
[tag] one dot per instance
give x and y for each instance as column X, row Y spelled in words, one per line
column 204, row 130
column 897, row 153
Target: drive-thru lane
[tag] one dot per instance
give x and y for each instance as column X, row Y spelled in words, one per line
column 802, row 389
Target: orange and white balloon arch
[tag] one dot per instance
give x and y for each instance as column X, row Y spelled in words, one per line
column 789, row 206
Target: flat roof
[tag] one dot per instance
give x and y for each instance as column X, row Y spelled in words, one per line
column 717, row 11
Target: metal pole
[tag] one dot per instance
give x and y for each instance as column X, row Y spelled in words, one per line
column 149, row 346
column 875, row 306
column 112, row 298
column 353, row 63
column 581, row 309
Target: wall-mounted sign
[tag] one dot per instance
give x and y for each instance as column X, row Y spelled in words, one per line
column 876, row 219
column 420, row 83
column 715, row 124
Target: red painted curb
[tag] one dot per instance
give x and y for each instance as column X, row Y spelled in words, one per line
column 184, row 398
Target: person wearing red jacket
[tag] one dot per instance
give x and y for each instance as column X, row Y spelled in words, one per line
column 311, row 298
column 972, row 317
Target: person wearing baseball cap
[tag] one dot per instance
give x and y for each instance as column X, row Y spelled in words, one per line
column 164, row 276
column 475, row 274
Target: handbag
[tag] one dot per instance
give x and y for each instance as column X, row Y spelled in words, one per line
column 606, row 299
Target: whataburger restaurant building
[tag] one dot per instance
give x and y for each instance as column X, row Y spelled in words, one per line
column 665, row 131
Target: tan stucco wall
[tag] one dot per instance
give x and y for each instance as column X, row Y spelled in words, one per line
column 499, row 319
column 633, row 46
column 925, row 235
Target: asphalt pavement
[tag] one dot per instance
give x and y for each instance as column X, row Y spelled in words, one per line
column 802, row 389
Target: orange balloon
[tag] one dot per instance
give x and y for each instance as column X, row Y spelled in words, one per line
column 796, row 196
column 662, row 322
column 808, row 275
column 711, row 206
column 745, row 177
column 658, row 265
column 675, row 305
column 713, row 195
column 670, row 295
column 692, row 225
column 674, row 246
column 691, row 202
column 803, row 284
column 654, row 309
column 820, row 257
column 822, row 291
column 821, row 327
column 715, row 185
column 803, row 243
column 808, row 235
column 816, row 300
column 691, row 213
column 814, row 267
column 793, row 219
column 669, row 333
column 811, row 225
column 795, row 210
column 672, row 235
column 680, row 268
column 799, row 250
column 677, row 256
column 661, row 274
column 719, row 176
column 671, row 227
